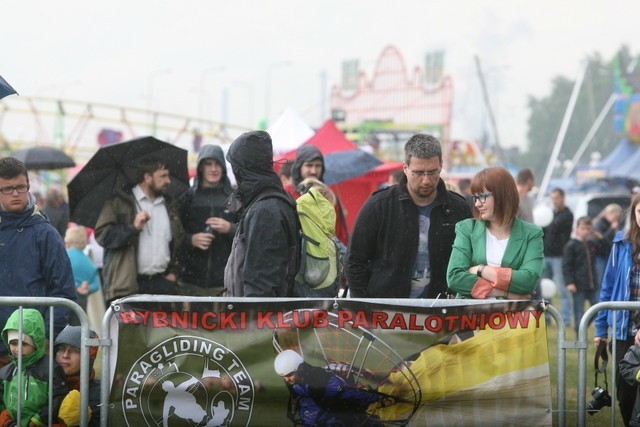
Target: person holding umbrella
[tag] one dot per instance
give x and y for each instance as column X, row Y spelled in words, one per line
column 141, row 231
column 33, row 259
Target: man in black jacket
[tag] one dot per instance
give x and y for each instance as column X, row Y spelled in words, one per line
column 556, row 236
column 403, row 235
column 264, row 255
column 209, row 227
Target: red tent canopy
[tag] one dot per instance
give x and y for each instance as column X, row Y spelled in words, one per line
column 352, row 192
column 355, row 191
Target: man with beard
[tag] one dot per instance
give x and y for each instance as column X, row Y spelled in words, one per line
column 140, row 231
column 402, row 239
column 309, row 163
column 264, row 254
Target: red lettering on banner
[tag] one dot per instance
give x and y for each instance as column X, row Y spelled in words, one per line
column 206, row 324
column 281, row 322
column 468, row 322
column 379, row 320
column 320, row 319
column 433, row 323
column 413, row 325
column 160, row 319
column 360, row 320
column 128, row 317
column 233, row 320
column 144, row 315
column 500, row 317
column 265, row 319
column 451, row 322
column 301, row 319
column 397, row 321
column 344, row 317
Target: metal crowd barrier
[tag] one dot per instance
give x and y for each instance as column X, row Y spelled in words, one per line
column 588, row 316
column 20, row 303
column 106, row 344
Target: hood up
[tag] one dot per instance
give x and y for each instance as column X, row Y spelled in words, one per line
column 305, row 153
column 210, row 151
column 251, row 158
column 32, row 325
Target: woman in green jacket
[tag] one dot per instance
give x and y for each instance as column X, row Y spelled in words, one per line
column 495, row 255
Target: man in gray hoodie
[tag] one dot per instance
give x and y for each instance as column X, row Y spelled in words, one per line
column 209, row 227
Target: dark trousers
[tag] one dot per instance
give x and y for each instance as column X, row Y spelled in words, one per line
column 158, row 285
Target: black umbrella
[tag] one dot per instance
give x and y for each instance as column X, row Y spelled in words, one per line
column 6, row 89
column 115, row 167
column 43, row 158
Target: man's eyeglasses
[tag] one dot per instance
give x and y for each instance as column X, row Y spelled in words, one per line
column 430, row 173
column 9, row 189
column 482, row 197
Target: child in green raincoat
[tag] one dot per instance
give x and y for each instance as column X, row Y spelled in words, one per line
column 35, row 374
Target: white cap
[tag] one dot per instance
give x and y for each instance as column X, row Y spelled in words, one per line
column 12, row 334
column 636, row 189
column 287, row 362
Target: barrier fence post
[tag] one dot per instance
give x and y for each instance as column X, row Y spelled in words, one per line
column 20, row 303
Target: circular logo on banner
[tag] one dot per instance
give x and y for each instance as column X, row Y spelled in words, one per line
column 187, row 381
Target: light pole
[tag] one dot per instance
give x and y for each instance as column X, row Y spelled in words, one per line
column 203, row 82
column 150, row 80
column 251, row 92
column 267, row 89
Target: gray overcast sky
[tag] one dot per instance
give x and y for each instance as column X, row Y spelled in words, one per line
column 114, row 51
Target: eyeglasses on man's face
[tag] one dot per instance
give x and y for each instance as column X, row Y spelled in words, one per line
column 430, row 173
column 9, row 189
column 482, row 197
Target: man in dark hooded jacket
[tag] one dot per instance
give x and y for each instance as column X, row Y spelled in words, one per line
column 209, row 226
column 33, row 259
column 264, row 255
column 310, row 163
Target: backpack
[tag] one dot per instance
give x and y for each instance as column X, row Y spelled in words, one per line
column 319, row 254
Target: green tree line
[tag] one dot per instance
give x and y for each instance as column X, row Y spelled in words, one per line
column 546, row 114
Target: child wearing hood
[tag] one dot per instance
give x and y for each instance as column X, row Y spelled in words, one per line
column 67, row 347
column 34, row 376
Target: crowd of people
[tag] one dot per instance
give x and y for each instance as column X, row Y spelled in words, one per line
column 413, row 238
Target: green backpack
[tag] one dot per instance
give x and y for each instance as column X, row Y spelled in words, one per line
column 319, row 261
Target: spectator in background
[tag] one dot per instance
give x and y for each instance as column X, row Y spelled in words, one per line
column 578, row 266
column 85, row 273
column 464, row 184
column 309, row 163
column 209, row 226
column 67, row 350
column 141, row 232
column 495, row 255
column 33, row 260
column 525, row 182
column 57, row 210
column 403, row 235
column 608, row 223
column 621, row 282
column 556, row 236
column 285, row 173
